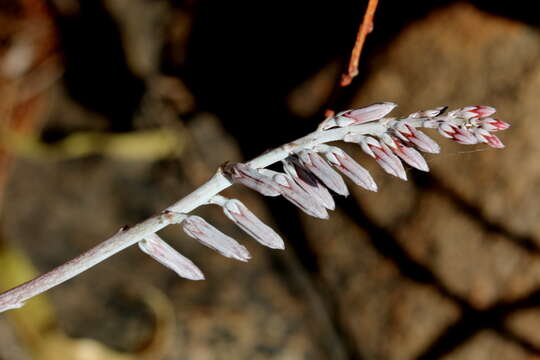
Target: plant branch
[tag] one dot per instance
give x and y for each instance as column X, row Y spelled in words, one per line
column 365, row 28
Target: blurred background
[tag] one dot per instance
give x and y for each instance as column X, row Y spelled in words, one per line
column 111, row 110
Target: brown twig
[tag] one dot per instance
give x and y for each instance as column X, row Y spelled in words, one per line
column 365, row 28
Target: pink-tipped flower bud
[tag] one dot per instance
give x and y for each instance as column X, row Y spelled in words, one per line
column 323, row 171
column 199, row 229
column 163, row 253
column 388, row 161
column 471, row 112
column 410, row 155
column 308, row 182
column 349, row 167
column 429, row 113
column 486, row 137
column 409, row 134
column 237, row 212
column 358, row 116
column 291, row 191
column 252, row 178
column 491, row 124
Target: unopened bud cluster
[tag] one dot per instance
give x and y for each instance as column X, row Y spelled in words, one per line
column 311, row 173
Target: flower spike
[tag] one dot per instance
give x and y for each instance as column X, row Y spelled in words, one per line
column 305, row 183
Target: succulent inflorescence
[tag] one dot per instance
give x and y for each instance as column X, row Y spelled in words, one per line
column 308, row 179
column 309, row 170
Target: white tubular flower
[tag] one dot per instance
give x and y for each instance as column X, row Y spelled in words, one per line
column 238, row 213
column 491, row 124
column 295, row 194
column 486, row 137
column 348, row 166
column 359, row 116
column 199, row 229
column 163, row 253
column 428, row 113
column 253, row 179
column 409, row 134
column 308, row 182
column 324, row 172
column 470, row 112
column 409, row 155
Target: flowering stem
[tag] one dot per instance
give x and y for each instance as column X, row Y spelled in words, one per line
column 126, row 237
column 469, row 125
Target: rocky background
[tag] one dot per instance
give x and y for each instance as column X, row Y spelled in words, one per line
column 113, row 109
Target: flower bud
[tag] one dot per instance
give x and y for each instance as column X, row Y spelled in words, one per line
column 410, row 156
column 308, row 182
column 295, row 194
column 251, row 224
column 163, row 253
column 199, row 229
column 243, row 174
column 350, row 168
column 358, row 116
column 324, row 172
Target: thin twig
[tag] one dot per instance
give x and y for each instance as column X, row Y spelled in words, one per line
column 365, row 28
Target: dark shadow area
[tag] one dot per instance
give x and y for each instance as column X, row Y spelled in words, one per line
column 432, row 182
column 520, row 10
column 387, row 245
column 472, row 321
column 290, row 225
column 96, row 72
